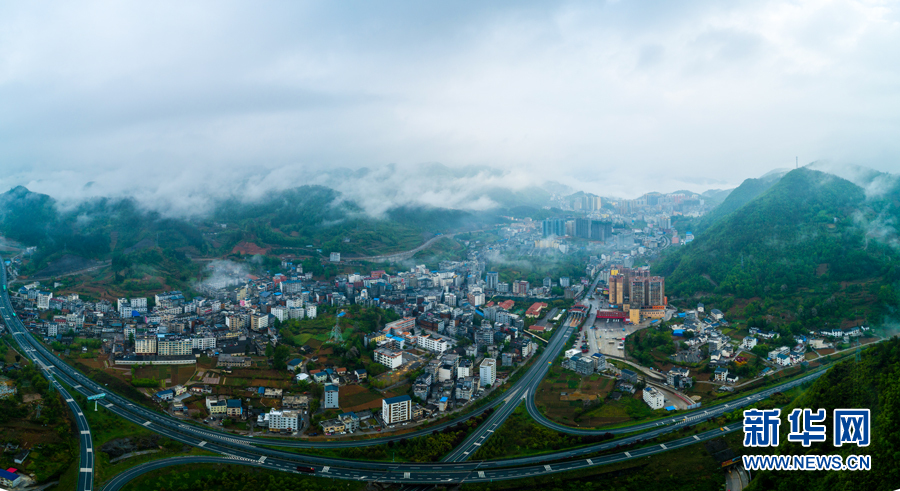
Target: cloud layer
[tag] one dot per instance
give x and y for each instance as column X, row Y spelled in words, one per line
column 174, row 101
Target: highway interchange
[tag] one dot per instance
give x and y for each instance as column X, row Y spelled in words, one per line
column 454, row 468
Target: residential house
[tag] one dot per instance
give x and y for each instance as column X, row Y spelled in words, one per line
column 654, row 398
column 295, row 402
column 720, row 374
column 233, row 408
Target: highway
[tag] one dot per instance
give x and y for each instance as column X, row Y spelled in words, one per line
column 86, row 445
column 453, row 469
column 447, row 476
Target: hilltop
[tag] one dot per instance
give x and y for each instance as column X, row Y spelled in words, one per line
column 806, row 239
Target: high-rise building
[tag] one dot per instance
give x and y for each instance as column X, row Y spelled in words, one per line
column 600, row 230
column 617, row 289
column 491, row 280
column 583, row 228
column 396, row 409
column 520, row 288
column 590, row 202
column 553, row 226
column 488, row 372
column 639, row 295
column 656, row 291
column 331, row 397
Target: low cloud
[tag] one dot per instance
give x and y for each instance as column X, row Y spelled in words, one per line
column 223, row 273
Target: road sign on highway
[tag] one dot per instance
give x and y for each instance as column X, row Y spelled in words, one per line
column 95, row 398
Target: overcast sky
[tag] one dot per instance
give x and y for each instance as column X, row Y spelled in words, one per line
column 617, row 98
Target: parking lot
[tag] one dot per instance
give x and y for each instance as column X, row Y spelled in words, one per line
column 606, row 337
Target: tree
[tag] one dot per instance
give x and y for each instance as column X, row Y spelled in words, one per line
column 280, row 356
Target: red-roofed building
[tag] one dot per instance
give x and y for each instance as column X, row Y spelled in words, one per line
column 508, row 304
column 535, row 310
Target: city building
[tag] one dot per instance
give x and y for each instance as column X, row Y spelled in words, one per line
column 283, row 420
column 145, row 345
column 396, row 409
column 488, row 372
column 654, row 398
column 389, row 357
column 331, row 397
column 173, row 347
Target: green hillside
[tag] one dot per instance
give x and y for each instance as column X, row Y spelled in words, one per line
column 804, row 237
column 148, row 251
column 872, row 383
column 735, row 199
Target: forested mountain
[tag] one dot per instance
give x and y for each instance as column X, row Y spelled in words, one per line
column 738, row 197
column 872, row 383
column 298, row 218
column 810, row 231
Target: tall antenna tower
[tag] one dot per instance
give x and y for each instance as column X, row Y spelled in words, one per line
column 336, row 336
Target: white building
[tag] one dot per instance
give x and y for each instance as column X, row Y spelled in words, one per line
column 310, row 311
column 258, row 322
column 388, row 357
column 206, row 342
column 331, row 397
column 283, row 420
column 488, row 372
column 173, row 347
column 654, row 398
column 139, row 304
column 335, row 257
column 433, row 343
column 281, row 313
column 43, row 300
column 396, row 409
column 145, row 345
column 748, row 343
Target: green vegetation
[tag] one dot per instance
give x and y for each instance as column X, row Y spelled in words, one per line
column 218, row 477
column 43, row 423
column 872, row 383
column 520, row 435
column 798, row 245
column 640, row 344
